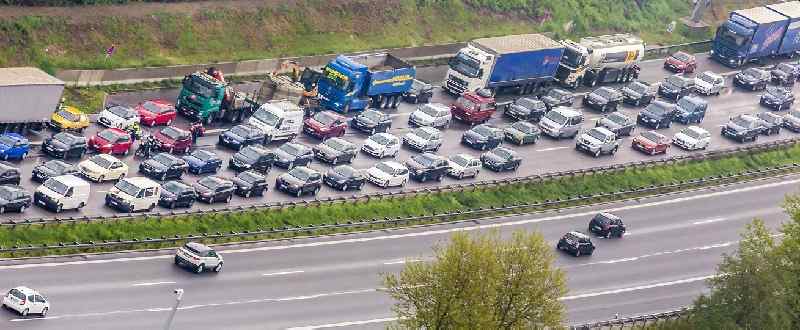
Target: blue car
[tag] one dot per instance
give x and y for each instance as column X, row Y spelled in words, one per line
column 14, row 146
column 202, row 161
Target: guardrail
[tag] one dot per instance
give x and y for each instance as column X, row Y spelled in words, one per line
column 692, row 47
column 636, row 321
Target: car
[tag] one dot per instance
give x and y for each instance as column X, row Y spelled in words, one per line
column 133, row 194
column 792, row 121
column 156, row 112
column 743, row 128
column 576, row 243
column 752, row 78
column 607, row 225
column 603, row 99
column 111, row 141
column 557, row 97
column 176, row 194
column 681, row 62
column 14, row 146
column 709, row 83
column 325, row 124
column 26, row 301
column 772, row 122
column 525, row 108
column 250, row 183
column 388, row 174
column 675, row 87
column 65, row 145
column 198, row 257
column 777, row 98
column 522, row 132
column 431, row 114
column 561, row 122
column 501, row 159
column 651, row 143
column 253, row 157
column 692, row 138
column 638, row 93
column 597, row 141
column 299, row 180
column 14, row 198
column 213, row 189
column 464, row 165
column 202, row 161
column 420, row 92
column 483, row 137
column 690, row 109
column 427, row 166
column 335, row 151
column 423, row 139
column 381, row 145
column 163, row 166
column 172, row 139
column 785, row 74
column 103, row 167
column 291, row 154
column 51, row 168
column 240, row 136
column 344, row 178
column 118, row 116
column 618, row 123
column 372, row 121
column 9, row 174
column 68, row 118
column 657, row 115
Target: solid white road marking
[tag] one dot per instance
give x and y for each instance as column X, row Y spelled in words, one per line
column 397, row 262
column 153, row 283
column 344, row 324
column 552, row 149
column 703, row 222
column 284, row 273
column 656, row 254
column 639, row 288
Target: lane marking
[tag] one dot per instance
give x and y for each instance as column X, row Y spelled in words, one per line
column 288, row 272
column 639, row 288
column 552, row 149
column 403, row 261
column 703, row 222
column 154, row 283
column 344, row 324
column 657, row 254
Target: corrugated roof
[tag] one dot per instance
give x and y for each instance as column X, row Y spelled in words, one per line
column 517, row 43
column 791, row 8
column 26, row 76
column 761, row 15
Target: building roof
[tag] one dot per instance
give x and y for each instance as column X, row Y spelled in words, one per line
column 791, row 8
column 761, row 15
column 26, row 76
column 517, row 43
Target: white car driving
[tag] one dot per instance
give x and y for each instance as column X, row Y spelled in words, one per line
column 25, row 300
column 423, row 139
column 464, row 165
column 118, row 117
column 431, row 114
column 388, row 174
column 692, row 138
column 198, row 257
column 103, row 167
column 381, row 145
column 709, row 83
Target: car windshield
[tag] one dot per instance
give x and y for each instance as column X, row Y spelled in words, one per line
column 556, row 117
column 683, row 57
column 460, row 160
column 557, row 93
column 173, row 133
column 618, row 118
column 730, row 37
column 57, row 186
column 687, row 103
column 109, row 135
column 209, row 182
column 691, row 133
column 383, row 167
column 429, row 110
column 241, row 131
column 164, row 159
column 122, row 112
column 776, row 91
column 7, row 193
column 597, row 134
column 325, row 118
column 292, row 149
column 345, row 171
column 203, row 155
column 154, row 107
column 381, row 139
column 651, row 136
column 656, row 109
column 502, row 153
column 250, row 177
column 741, row 121
column 336, row 144
column 571, row 57
column 522, row 127
column 68, row 115
column 372, row 115
column 675, row 81
column 266, row 117
column 424, row 133
column 527, row 103
column 7, row 140
column 483, row 130
column 465, row 65
column 301, row 173
column 638, row 87
column 785, row 67
column 707, row 78
column 424, row 159
column 101, row 161
column 127, row 187
column 752, row 73
column 198, row 85
column 64, row 138
column 465, row 103
column 57, row 166
column 250, row 153
column 174, row 187
column 606, row 93
column 336, row 78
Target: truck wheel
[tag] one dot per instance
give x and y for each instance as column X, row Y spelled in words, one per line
column 395, row 101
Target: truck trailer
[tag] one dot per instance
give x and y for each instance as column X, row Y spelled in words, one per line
column 752, row 35
column 28, row 98
column 526, row 62
column 603, row 59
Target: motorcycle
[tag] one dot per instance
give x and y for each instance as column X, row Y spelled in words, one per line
column 146, row 147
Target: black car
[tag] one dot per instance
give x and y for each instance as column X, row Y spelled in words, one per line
column 744, row 128
column 14, row 198
column 603, row 99
column 618, row 123
column 420, row 92
column 163, row 166
column 212, row 189
column 607, row 225
column 675, row 87
column 557, row 97
column 291, row 154
column 65, row 145
column 240, row 136
column 772, row 122
column 52, row 168
column 525, row 108
column 299, row 180
column 253, row 157
column 522, row 132
column 426, row 166
column 250, row 183
column 638, row 93
column 576, row 243
column 335, row 150
column 483, row 137
column 785, row 74
column 372, row 121
column 9, row 174
column 777, row 98
column 752, row 79
column 657, row 115
column 501, row 159
column 344, row 177
column 176, row 194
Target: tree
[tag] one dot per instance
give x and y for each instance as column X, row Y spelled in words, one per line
column 481, row 282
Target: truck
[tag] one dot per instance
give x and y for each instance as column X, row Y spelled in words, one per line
column 602, row 59
column 752, row 35
column 28, row 98
column 206, row 97
column 525, row 62
column 279, row 120
column 351, row 83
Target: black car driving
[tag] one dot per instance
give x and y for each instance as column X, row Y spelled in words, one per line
column 335, row 151
column 557, row 97
column 618, row 123
column 299, row 180
column 427, row 166
column 291, row 154
column 744, row 128
column 576, row 243
column 9, row 174
column 785, row 74
column 675, row 87
column 603, row 99
column 212, row 189
column 14, row 198
column 176, row 194
column 525, row 108
column 607, row 225
column 657, row 115
column 253, row 157
column 250, row 183
column 501, row 159
column 638, row 93
column 752, row 79
column 344, row 178
column 52, row 168
column 240, row 136
column 65, row 145
column 483, row 137
column 777, row 98
column 163, row 166
column 420, row 92
column 372, row 121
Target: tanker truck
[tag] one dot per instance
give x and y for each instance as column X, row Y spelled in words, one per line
column 598, row 60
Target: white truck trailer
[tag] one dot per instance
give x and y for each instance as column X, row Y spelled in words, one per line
column 603, row 59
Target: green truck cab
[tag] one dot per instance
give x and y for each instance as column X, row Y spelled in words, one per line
column 205, row 96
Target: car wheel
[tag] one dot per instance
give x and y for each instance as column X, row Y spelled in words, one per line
column 22, row 209
column 247, row 194
column 228, row 200
column 653, row 152
column 218, row 268
column 25, row 312
column 335, row 161
column 291, row 165
column 59, row 208
column 460, row 175
column 101, row 178
column 344, row 187
column 439, row 178
column 299, row 192
column 169, row 122
column 164, row 176
column 423, row 178
column 172, row 205
column 171, row 150
column 316, row 191
column 121, row 176
column 596, row 153
column 2, row 209
column 578, row 252
column 199, row 268
column 373, row 131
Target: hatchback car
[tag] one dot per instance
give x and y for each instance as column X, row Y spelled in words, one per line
column 14, row 146
column 172, row 139
column 9, row 174
column 576, row 243
column 325, row 124
column 202, row 161
column 291, row 154
column 103, row 167
column 681, row 62
column 522, row 132
column 427, row 166
column 558, row 97
column 14, row 198
column 372, row 121
column 675, row 87
column 464, row 165
column 603, row 99
column 618, row 123
column 65, row 145
column 68, row 118
column 423, row 139
column 299, row 180
column 651, row 143
column 607, row 225
column 752, row 79
column 431, row 114
column 772, row 122
column 156, row 112
column 250, row 183
column 657, row 115
column 26, row 301
column 118, row 117
column 420, row 92
column 111, row 141
column 176, row 194
column 785, row 74
column 692, row 138
column 483, row 137
column 198, row 257
column 388, row 174
column 335, row 151
column 525, row 108
column 381, row 145
column 52, row 168
column 240, row 136
column 344, row 178
column 777, row 98
column 254, row 157
column 501, row 159
column 638, row 93
column 163, row 166
column 213, row 189
column 744, row 128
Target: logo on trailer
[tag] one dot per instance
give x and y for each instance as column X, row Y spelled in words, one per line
column 773, row 37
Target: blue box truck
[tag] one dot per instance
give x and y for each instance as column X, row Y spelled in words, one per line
column 757, row 33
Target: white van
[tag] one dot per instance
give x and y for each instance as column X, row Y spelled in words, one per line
column 280, row 120
column 134, row 194
column 66, row 192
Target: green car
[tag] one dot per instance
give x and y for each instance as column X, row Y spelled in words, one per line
column 522, row 132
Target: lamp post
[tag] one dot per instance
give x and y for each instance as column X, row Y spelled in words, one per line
column 178, row 296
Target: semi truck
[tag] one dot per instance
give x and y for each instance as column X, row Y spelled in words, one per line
column 350, row 83
column 526, row 62
column 28, row 98
column 752, row 35
column 602, row 59
column 206, row 97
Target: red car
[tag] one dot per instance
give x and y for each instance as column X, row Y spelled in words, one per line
column 681, row 62
column 325, row 124
column 156, row 112
column 651, row 143
column 172, row 139
column 111, row 141
column 474, row 107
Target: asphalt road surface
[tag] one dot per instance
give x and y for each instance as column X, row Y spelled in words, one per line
column 673, row 246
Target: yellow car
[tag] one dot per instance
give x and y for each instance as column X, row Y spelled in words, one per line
column 69, row 118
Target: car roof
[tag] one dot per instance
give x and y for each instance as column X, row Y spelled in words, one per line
column 25, row 290
column 608, row 215
column 603, row 130
column 437, row 106
column 697, row 129
column 107, row 157
column 393, row 164
column 578, row 234
column 16, row 136
column 567, row 111
column 141, row 181
column 70, row 180
column 387, row 135
column 712, row 74
column 199, row 247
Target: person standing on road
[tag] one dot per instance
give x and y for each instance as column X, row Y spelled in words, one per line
column 197, row 130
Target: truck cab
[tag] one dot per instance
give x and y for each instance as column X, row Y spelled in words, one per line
column 281, row 120
column 350, row 83
column 205, row 96
column 756, row 33
column 474, row 107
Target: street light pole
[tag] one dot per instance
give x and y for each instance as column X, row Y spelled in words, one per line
column 178, row 296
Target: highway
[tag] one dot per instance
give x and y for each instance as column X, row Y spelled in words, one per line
column 673, row 246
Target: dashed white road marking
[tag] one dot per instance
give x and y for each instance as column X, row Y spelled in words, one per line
column 344, row 324
column 153, row 283
column 402, row 261
column 552, row 149
column 288, row 272
column 707, row 221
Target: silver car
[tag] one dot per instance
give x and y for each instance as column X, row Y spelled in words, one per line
column 464, row 165
column 423, row 139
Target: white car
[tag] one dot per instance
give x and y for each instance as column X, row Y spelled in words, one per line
column 118, row 117
column 709, row 83
column 381, row 145
column 26, row 301
column 423, row 139
column 388, row 174
column 199, row 257
column 103, row 167
column 463, row 165
column 431, row 114
column 692, row 138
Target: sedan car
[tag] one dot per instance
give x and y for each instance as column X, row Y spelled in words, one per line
column 14, row 146
column 325, row 124
column 26, row 301
column 792, row 121
column 638, row 93
column 483, row 137
column 427, row 166
column 372, row 121
column 52, row 168
column 118, row 117
column 420, row 92
column 657, row 115
column 65, row 145
column 163, row 166
column 785, row 74
column 254, row 157
column 202, row 161
column 431, row 114
column 525, row 108
column 752, row 79
column 692, row 138
column 156, row 112
column 335, row 150
column 651, row 143
column 501, row 159
column 777, row 98
column 111, row 141
column 172, row 139
column 576, row 243
column 603, row 99
column 618, row 123
column 522, row 132
column 213, row 189
column 423, row 139
column 103, row 167
column 557, row 97
column 240, row 136
column 675, row 87
column 681, row 62
column 344, row 178
column 388, row 174
column 464, row 165
column 744, row 128
column 299, row 180
column 250, row 183
column 607, row 225
column 772, row 122
column 381, row 145
column 14, row 198
column 176, row 194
